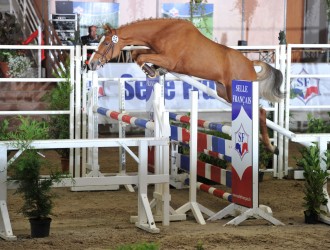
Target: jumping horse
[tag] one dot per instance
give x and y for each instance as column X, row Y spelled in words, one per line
column 176, row 45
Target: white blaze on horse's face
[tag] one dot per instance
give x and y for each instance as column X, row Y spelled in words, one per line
column 101, row 41
column 91, row 58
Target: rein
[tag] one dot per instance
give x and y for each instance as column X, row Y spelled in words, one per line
column 111, row 46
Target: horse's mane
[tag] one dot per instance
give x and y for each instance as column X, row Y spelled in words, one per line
column 153, row 19
column 108, row 28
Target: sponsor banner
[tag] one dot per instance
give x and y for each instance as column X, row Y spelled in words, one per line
column 176, row 92
column 306, row 92
column 310, row 91
column 242, row 146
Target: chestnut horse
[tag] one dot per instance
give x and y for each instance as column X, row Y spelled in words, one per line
column 176, row 45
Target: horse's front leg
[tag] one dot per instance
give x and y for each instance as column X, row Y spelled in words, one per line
column 151, row 71
column 161, row 64
column 264, row 132
column 136, row 53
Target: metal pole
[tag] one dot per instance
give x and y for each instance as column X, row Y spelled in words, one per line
column 243, row 14
column 157, row 9
column 285, row 13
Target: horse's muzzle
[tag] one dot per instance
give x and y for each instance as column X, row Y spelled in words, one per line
column 93, row 65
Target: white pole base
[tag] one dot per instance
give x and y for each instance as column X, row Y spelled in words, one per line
column 6, row 231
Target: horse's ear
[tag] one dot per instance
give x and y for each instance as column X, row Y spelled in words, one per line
column 107, row 29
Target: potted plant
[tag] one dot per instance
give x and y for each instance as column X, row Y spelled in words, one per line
column 59, row 125
column 4, row 59
column 315, row 179
column 26, row 170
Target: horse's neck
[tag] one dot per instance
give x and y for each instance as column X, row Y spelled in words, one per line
column 135, row 34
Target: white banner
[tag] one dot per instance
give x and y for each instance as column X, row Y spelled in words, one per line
column 176, row 92
column 310, row 91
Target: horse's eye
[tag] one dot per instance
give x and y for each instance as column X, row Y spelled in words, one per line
column 106, row 43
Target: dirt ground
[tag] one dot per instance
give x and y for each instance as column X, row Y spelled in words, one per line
column 101, row 220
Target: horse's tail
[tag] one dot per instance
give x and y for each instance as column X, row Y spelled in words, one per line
column 270, row 80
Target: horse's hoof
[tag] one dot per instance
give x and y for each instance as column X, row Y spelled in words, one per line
column 149, row 71
column 152, row 76
column 161, row 71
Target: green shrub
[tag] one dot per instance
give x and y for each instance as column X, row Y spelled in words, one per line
column 315, row 179
column 139, row 246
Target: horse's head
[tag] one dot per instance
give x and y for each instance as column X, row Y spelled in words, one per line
column 108, row 48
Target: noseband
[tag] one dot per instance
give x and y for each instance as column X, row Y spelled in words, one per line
column 110, row 47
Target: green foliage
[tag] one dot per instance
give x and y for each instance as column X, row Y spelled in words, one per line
column 198, row 16
column 218, row 134
column 26, row 132
column 5, row 54
column 36, row 192
column 212, row 160
column 316, row 125
column 315, row 179
column 200, row 246
column 3, row 129
column 327, row 158
column 139, row 246
column 59, row 99
column 10, row 30
column 26, row 168
column 264, row 155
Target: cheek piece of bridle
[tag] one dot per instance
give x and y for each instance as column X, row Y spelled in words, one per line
column 110, row 47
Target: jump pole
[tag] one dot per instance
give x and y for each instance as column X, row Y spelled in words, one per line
column 193, row 82
column 202, row 123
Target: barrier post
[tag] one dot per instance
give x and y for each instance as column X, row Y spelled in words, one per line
column 145, row 216
column 77, row 111
column 6, row 231
column 93, row 133
column 122, row 133
column 92, row 152
column 152, row 94
column 281, row 118
column 192, row 205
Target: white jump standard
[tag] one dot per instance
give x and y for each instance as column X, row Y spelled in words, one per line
column 244, row 160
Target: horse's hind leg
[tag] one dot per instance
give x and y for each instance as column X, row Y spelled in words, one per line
column 222, row 91
column 264, row 132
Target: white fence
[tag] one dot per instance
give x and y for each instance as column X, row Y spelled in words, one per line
column 78, row 107
column 280, row 56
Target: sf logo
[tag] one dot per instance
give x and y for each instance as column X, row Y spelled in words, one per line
column 241, row 142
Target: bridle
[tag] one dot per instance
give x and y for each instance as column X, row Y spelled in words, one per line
column 110, row 47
